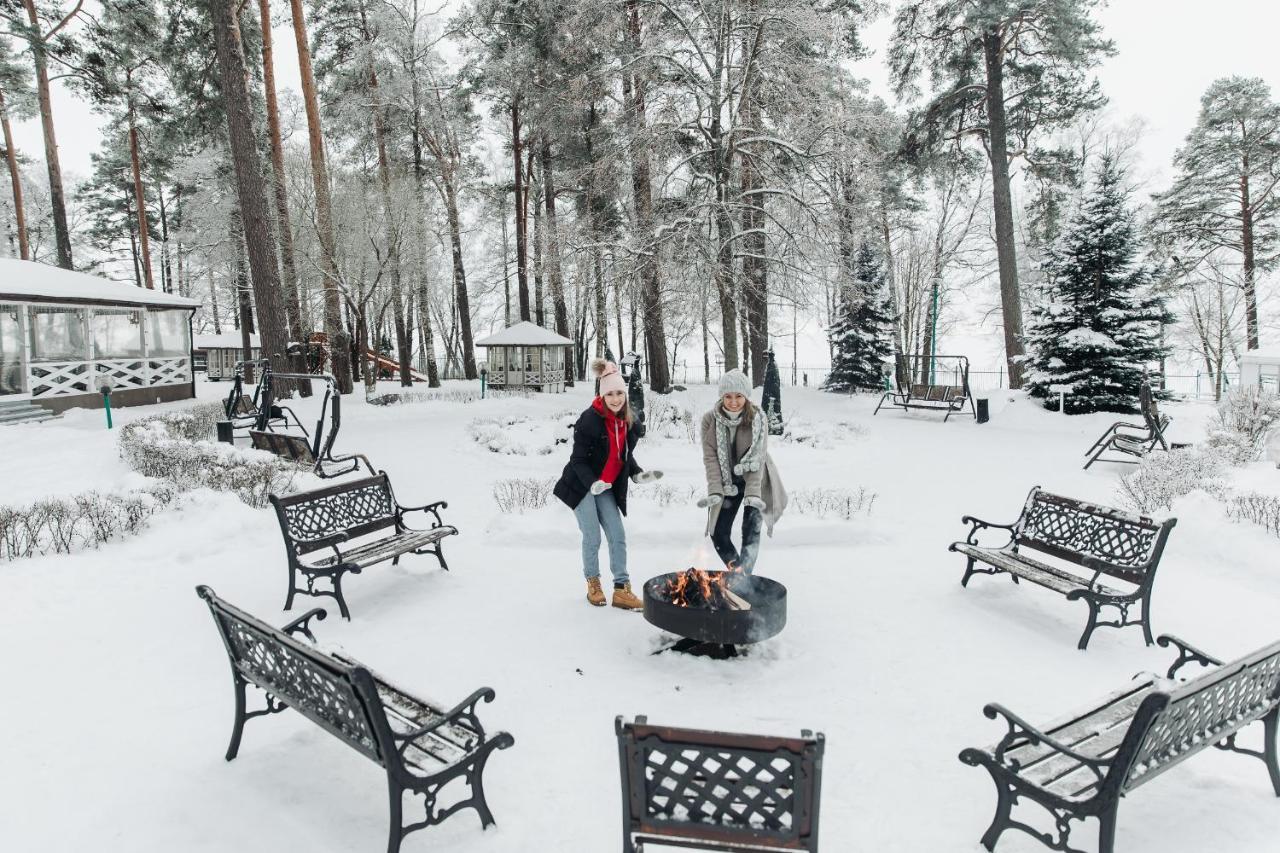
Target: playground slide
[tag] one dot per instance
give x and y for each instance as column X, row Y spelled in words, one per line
column 385, row 363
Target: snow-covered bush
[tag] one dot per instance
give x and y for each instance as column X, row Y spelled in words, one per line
column 165, row 447
column 667, row 418
column 1162, row 478
column 86, row 520
column 1245, row 415
column 840, row 503
column 669, row 494
column 500, row 435
column 1263, row 510
column 821, row 434
column 522, row 493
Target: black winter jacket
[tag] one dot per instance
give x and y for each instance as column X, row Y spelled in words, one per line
column 586, row 463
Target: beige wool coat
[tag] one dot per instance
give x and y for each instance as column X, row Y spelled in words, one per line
column 765, row 484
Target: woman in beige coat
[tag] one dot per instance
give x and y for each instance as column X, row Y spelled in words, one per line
column 740, row 473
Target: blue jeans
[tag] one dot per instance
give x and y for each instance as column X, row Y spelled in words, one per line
column 721, row 536
column 593, row 513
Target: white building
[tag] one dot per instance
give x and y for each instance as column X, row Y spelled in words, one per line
column 1261, row 367
column 527, row 356
column 63, row 333
column 218, row 355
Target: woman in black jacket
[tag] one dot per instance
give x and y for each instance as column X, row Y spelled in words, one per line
column 594, row 483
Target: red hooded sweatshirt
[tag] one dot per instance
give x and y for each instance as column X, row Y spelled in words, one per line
column 616, row 428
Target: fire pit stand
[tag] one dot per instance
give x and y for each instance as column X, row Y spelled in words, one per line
column 713, row 629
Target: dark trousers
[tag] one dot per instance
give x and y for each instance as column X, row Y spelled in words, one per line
column 721, row 536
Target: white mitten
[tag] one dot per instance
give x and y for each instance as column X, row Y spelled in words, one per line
column 646, row 476
column 710, row 501
column 599, row 486
column 754, row 502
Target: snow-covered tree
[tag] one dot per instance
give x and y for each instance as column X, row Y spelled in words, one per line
column 860, row 338
column 1102, row 322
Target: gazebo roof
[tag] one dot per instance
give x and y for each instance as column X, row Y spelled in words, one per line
column 28, row 281
column 525, row 334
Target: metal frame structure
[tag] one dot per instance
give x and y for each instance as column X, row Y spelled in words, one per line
column 269, row 432
column 245, row 412
column 709, row 790
column 421, row 747
column 1134, row 441
column 325, row 518
column 1099, row 539
column 909, row 394
column 1081, row 765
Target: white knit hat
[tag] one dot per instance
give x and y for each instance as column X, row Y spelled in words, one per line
column 735, row 382
column 610, row 378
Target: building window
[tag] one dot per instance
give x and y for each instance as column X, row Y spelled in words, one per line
column 58, row 334
column 117, row 333
column 169, row 333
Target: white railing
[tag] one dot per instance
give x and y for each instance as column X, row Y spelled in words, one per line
column 60, row 379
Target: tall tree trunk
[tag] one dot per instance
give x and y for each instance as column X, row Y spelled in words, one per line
column 133, row 238
column 1002, row 203
column 463, row 302
column 1250, row 262
column 506, row 271
column 15, row 177
column 213, row 302
column 539, row 300
column 428, row 343
column 240, row 275
column 166, row 260
column 339, row 339
column 139, row 201
column 754, row 273
column 62, row 235
column 522, row 251
column 280, row 191
column 634, row 88
column 555, row 277
column 255, row 214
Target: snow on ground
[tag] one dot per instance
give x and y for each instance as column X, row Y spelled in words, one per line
column 119, row 701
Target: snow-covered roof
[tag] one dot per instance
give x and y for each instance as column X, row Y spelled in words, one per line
column 28, row 281
column 525, row 334
column 230, row 340
column 1265, row 354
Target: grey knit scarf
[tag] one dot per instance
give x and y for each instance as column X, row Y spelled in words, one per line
column 726, row 428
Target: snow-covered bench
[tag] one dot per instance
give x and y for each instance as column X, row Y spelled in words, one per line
column 329, row 519
column 421, row 746
column 1133, row 441
column 716, row 790
column 1099, row 539
column 1080, row 765
column 939, row 397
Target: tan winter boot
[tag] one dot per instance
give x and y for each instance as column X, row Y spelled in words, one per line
column 625, row 599
column 595, row 594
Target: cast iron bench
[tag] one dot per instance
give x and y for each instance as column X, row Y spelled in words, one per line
column 1080, row 765
column 718, row 791
column 1100, row 540
column 422, row 747
column 325, row 519
column 1133, row 441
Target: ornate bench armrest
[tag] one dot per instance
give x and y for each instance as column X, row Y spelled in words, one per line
column 1022, row 733
column 464, row 711
column 302, row 625
column 433, row 508
column 978, row 524
column 1187, row 653
column 330, row 540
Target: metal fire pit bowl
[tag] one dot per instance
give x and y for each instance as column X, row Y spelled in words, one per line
column 717, row 632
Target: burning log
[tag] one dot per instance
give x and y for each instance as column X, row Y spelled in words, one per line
column 704, row 590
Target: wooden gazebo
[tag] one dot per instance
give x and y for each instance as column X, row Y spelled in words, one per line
column 527, row 356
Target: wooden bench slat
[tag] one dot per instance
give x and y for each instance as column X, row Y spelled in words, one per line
column 1035, row 571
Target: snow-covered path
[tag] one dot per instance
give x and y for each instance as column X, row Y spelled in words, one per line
column 118, row 701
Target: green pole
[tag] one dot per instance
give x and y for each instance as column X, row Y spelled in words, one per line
column 933, row 335
column 106, row 404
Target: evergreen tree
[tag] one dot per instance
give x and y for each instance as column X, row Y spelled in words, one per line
column 860, row 335
column 1102, row 322
column 771, row 396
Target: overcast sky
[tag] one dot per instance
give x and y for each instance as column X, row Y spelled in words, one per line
column 1168, row 53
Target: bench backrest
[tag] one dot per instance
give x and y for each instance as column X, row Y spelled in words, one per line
column 338, row 697
column 750, row 791
column 356, row 507
column 1120, row 544
column 1170, row 727
column 295, row 448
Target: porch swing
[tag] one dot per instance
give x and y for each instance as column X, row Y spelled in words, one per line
column 274, row 435
column 245, row 411
column 950, row 397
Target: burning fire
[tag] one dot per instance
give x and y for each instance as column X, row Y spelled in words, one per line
column 709, row 590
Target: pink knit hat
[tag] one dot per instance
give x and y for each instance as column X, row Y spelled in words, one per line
column 610, row 378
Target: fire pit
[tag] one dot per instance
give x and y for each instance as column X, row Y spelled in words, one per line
column 715, row 612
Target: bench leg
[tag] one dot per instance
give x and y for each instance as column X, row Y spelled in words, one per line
column 337, row 593
column 293, row 588
column 439, row 552
column 1107, row 831
column 1001, row 822
column 238, row 728
column 1272, row 724
column 1089, row 626
column 968, row 573
column 1146, row 618
column 397, row 817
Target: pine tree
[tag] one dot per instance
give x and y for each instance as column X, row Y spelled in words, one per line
column 1102, row 323
column 771, row 396
column 860, row 335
